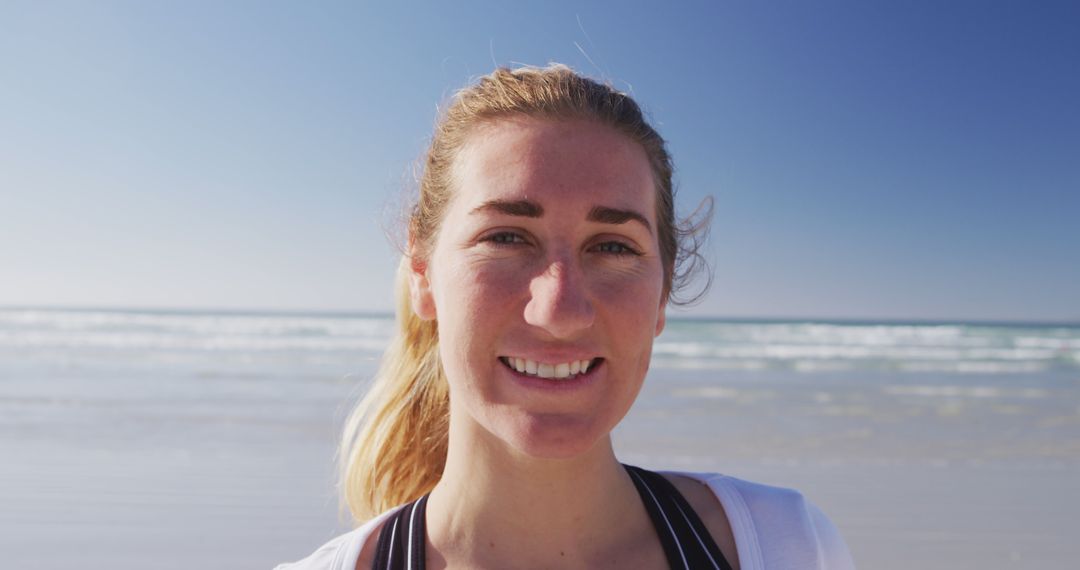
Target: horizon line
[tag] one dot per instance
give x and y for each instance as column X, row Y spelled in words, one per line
column 352, row 313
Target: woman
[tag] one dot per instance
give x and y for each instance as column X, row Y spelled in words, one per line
column 542, row 252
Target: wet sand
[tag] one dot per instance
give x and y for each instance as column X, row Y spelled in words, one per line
column 150, row 467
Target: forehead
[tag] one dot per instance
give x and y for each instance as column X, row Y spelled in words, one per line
column 554, row 162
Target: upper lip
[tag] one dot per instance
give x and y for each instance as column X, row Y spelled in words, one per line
column 551, row 357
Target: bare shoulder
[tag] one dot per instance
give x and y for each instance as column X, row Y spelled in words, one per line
column 711, row 513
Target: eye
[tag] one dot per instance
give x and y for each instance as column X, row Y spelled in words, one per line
column 504, row 239
column 616, row 248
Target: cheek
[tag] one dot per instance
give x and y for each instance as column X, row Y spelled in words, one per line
column 632, row 306
column 475, row 283
column 634, row 296
column 473, row 304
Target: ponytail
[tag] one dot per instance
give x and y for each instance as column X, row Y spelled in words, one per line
column 394, row 444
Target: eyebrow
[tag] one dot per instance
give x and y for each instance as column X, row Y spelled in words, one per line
column 526, row 208
column 606, row 215
column 530, row 209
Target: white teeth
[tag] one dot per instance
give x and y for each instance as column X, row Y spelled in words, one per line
column 561, row 370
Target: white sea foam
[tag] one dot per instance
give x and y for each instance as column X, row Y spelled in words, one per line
column 152, row 331
column 804, row 347
column 964, row 391
column 148, row 341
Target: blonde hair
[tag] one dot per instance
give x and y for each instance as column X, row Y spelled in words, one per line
column 394, row 444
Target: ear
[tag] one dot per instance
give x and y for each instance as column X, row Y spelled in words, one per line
column 661, row 317
column 420, row 295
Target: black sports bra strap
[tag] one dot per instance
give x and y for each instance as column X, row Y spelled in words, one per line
column 388, row 547
column 416, row 555
column 687, row 543
column 668, row 539
column 403, row 539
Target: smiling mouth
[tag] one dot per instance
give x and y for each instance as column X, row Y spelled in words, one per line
column 561, row 371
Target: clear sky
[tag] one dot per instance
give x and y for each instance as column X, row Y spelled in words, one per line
column 913, row 160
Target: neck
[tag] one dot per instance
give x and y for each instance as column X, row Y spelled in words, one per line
column 496, row 507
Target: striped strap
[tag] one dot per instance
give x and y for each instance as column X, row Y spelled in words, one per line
column 402, row 539
column 687, row 543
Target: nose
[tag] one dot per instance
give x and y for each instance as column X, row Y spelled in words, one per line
column 559, row 301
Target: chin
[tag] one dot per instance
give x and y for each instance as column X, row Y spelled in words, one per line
column 556, row 436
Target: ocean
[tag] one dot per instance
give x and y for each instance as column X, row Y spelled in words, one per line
column 170, row 439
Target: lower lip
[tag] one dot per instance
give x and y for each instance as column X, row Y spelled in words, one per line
column 556, row 384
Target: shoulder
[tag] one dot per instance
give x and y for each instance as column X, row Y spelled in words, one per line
column 773, row 527
column 709, row 510
column 329, row 556
column 342, row 552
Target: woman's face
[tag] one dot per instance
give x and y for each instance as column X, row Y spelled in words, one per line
column 547, row 259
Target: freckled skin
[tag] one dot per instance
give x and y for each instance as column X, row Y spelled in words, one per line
column 531, row 471
column 558, row 282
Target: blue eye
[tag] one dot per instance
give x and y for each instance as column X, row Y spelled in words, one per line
column 616, row 248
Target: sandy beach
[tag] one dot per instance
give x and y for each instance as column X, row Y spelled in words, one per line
column 123, row 456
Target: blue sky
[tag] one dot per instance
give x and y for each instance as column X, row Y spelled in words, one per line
column 868, row 160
